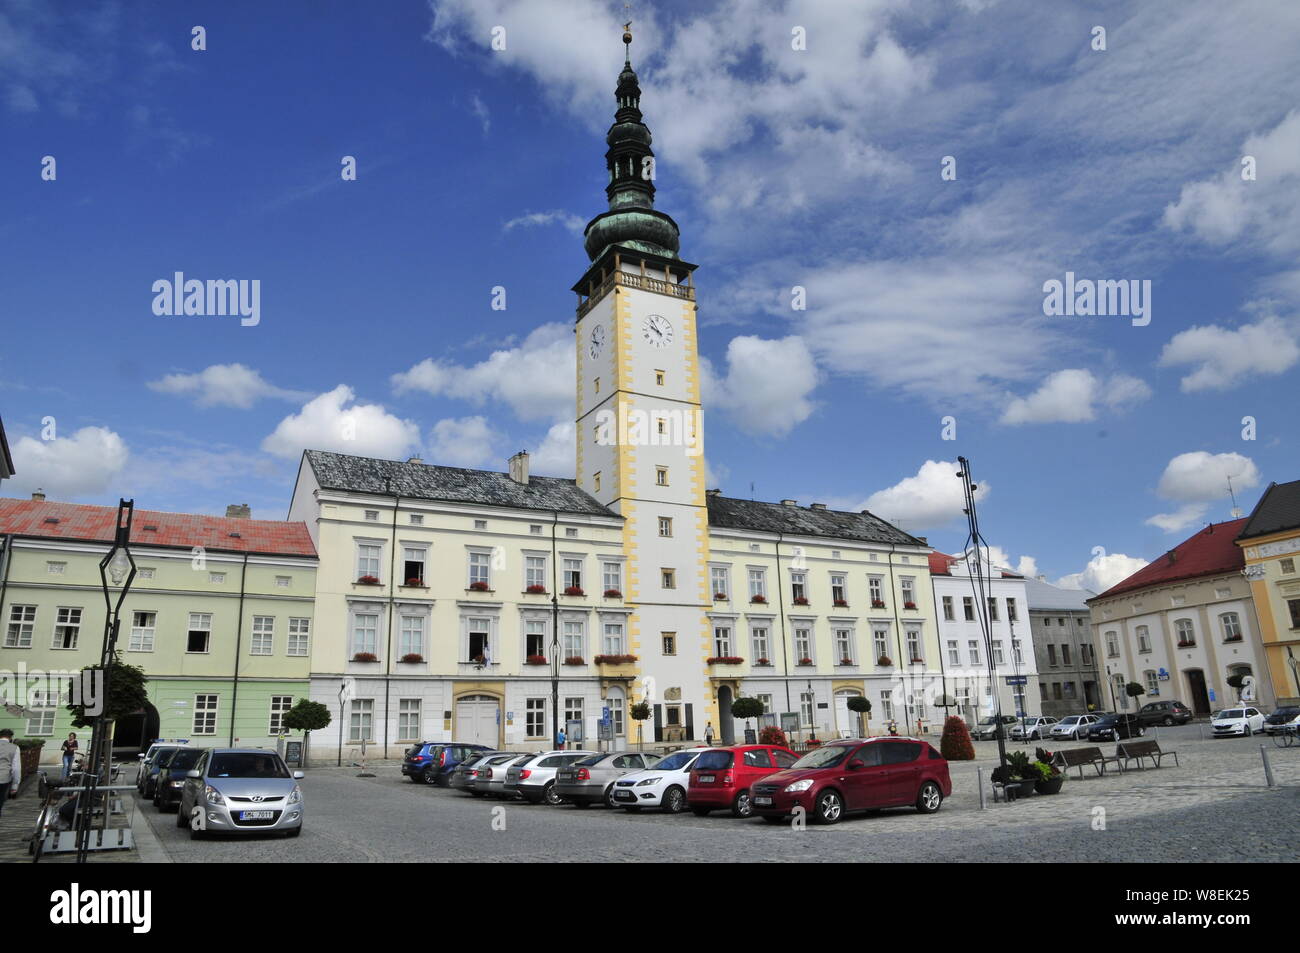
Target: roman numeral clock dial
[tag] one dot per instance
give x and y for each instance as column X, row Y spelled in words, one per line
column 597, row 341
column 658, row 330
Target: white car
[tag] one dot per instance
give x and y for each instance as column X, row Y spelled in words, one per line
column 533, row 778
column 1074, row 726
column 663, row 786
column 1032, row 728
column 1237, row 721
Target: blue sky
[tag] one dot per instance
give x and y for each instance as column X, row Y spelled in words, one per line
column 816, row 167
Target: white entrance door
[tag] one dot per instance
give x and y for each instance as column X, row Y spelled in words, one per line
column 477, row 720
column 846, row 722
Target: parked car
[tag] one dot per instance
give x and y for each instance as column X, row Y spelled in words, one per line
column 722, row 777
column 461, row 777
column 1032, row 728
column 534, row 779
column 1283, row 719
column 662, row 786
column 1164, row 713
column 1113, row 727
column 1073, row 726
column 241, row 791
column 147, row 777
column 854, row 775
column 490, row 779
column 987, row 728
column 1237, row 721
column 171, row 776
column 591, row 780
column 431, row 762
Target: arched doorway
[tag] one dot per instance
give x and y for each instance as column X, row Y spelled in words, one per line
column 478, row 720
column 847, row 723
column 726, row 726
column 135, row 732
column 1196, row 691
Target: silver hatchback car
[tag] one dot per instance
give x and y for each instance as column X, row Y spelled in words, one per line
column 591, row 780
column 241, row 791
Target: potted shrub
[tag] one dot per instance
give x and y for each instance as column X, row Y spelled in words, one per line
column 746, row 708
column 884, row 661
column 415, row 581
column 536, row 590
column 720, row 596
column 909, row 605
column 613, row 594
column 1133, row 690
column 575, row 660
column 1018, row 772
column 955, row 744
column 1050, row 777
column 367, row 580
column 763, row 661
column 478, row 586
column 877, row 603
column 413, row 658
column 365, row 657
column 759, row 600
column 800, row 600
column 574, row 591
column 860, row 705
column 536, row 660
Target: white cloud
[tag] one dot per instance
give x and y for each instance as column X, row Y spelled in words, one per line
column 88, row 462
column 1201, row 477
column 1187, row 515
column 328, row 423
column 767, row 385
column 1069, row 396
column 223, row 385
column 574, row 223
column 1025, row 566
column 1226, row 358
column 465, row 442
column 1102, row 572
column 928, row 500
column 557, row 454
column 536, row 379
column 480, row 110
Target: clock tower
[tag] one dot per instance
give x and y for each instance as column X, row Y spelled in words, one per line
column 639, row 430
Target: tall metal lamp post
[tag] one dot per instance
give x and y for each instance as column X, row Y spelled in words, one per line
column 117, row 568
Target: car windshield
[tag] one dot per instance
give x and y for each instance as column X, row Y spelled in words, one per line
column 826, row 757
column 713, row 761
column 677, row 761
column 185, row 758
column 247, row 764
column 594, row 760
column 1284, row 714
column 1072, row 720
column 990, row 720
column 1232, row 713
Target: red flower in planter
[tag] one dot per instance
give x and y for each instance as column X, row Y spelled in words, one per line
column 918, row 661
column 365, row 657
column 536, row 590
column 415, row 581
column 720, row 595
column 413, row 658
column 761, row 600
column 725, row 660
column 800, row 601
column 613, row 594
column 805, row 661
column 1233, row 638
column 574, row 591
column 762, row 661
column 909, row 605
column 877, row 603
column 537, row 660
column 367, row 581
column 846, row 661
column 615, row 659
column 479, row 586
column 884, row 660
column 575, row 660
column 841, row 603
column 1186, row 645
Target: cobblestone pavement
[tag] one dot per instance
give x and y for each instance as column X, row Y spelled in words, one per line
column 1214, row 808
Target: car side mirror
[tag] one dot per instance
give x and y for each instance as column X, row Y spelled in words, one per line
column 193, row 774
column 298, row 775
column 141, row 755
column 855, row 764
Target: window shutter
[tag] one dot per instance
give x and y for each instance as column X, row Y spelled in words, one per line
column 659, row 722
column 690, row 720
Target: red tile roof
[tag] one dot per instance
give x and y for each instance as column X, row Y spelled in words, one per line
column 940, row 563
column 185, row 530
column 1210, row 552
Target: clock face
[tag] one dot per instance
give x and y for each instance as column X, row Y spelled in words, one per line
column 658, row 330
column 597, row 341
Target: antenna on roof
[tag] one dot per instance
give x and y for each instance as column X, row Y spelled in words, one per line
column 1236, row 510
column 751, row 490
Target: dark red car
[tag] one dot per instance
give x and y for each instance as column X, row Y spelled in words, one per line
column 855, row 775
column 722, row 777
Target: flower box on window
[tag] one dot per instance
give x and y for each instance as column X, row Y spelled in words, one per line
column 1182, row 645
column 763, row 661
column 841, row 603
column 416, row 582
column 536, row 660
column 413, row 658
column 1232, row 638
column 365, row 657
column 479, row 586
column 759, row 600
column 884, row 661
column 725, row 660
column 800, row 601
column 720, row 596
column 615, row 659
column 877, row 603
column 846, row 661
column 575, row 660
column 805, row 661
column 909, row 605
column 536, row 590
column 368, row 580
column 613, row 594
column 574, row 591
column 918, row 661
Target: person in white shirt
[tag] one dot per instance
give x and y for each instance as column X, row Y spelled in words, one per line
column 11, row 765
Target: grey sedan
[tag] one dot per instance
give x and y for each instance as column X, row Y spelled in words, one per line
column 241, row 791
column 591, row 780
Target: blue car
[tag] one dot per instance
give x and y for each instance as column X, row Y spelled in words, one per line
column 432, row 762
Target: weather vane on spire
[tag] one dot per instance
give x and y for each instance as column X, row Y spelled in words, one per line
column 627, row 27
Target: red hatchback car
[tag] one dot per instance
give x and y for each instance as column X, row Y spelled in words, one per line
column 856, row 775
column 722, row 777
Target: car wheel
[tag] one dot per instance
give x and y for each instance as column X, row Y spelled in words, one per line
column 609, row 798
column 1168, row 722
column 549, row 794
column 674, row 801
column 928, row 801
column 1248, row 732
column 700, row 811
column 830, row 807
column 428, row 777
column 742, row 806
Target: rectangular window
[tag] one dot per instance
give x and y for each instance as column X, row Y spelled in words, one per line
column 876, row 586
column 887, row 705
column 908, row 585
column 480, row 524
column 757, row 584
column 283, row 582
column 413, row 565
column 947, row 609
column 1011, row 611
column 659, row 378
column 1051, row 655
column 572, row 573
column 372, row 516
column 1231, row 626
column 669, row 642
column 973, row 647
column 758, row 634
column 199, row 632
column 263, row 642
column 661, row 476
column 408, row 719
column 1016, row 653
column 803, row 643
column 279, row 705
column 797, row 588
column 480, row 635
column 535, row 572
column 721, row 584
column 22, row 621
column 535, row 529
column 993, row 609
column 417, row 519
column 613, row 638
column 722, row 641
column 968, row 608
column 572, row 709
column 1112, row 645
column 480, row 565
column 205, row 714
column 1186, row 634
column 997, row 652
column 1144, row 638
column 665, row 526
column 56, row 568
column 1065, row 655
column 143, row 626
column 216, row 578
column 839, row 594
column 914, row 644
column 299, row 637
column 844, row 646
column 673, row 713
column 612, row 576
column 410, row 639
column 571, row 532
column 596, row 480
column 365, row 633
column 146, row 573
column 596, row 382
column 954, row 652
column 40, row 721
column 573, row 640
column 368, row 560
column 805, row 709
column 361, row 721
column 67, row 627
column 668, row 578
column 535, row 717
column 535, row 638
column 1287, row 566
column 1085, row 655
column 880, row 639
column 1056, row 691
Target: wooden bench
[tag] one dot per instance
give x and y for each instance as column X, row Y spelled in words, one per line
column 1081, row 757
column 1138, row 750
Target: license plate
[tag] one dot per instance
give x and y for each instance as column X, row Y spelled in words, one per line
column 624, row 796
column 762, row 800
column 256, row 815
column 707, row 778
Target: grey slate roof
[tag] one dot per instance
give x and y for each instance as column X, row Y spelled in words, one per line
column 1042, row 595
column 728, row 513
column 423, row 481
column 1277, row 510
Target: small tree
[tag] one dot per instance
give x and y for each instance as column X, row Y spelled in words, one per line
column 772, row 735
column 955, row 744
column 747, row 708
column 639, row 712
column 862, row 705
column 1134, row 689
column 306, row 716
column 126, row 696
column 1236, row 682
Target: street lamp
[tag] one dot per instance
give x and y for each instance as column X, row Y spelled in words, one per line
column 116, row 569
column 812, row 713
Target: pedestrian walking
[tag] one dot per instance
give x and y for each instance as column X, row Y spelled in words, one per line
column 559, row 740
column 708, row 734
column 69, row 753
column 11, row 765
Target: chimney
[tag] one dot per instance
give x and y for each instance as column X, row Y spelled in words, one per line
column 519, row 467
column 817, row 506
column 39, row 495
column 1041, row 578
column 924, row 540
column 1173, row 557
column 789, row 502
column 414, row 460
column 238, row 511
column 712, row 492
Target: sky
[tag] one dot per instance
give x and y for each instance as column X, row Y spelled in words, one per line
column 918, row 172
